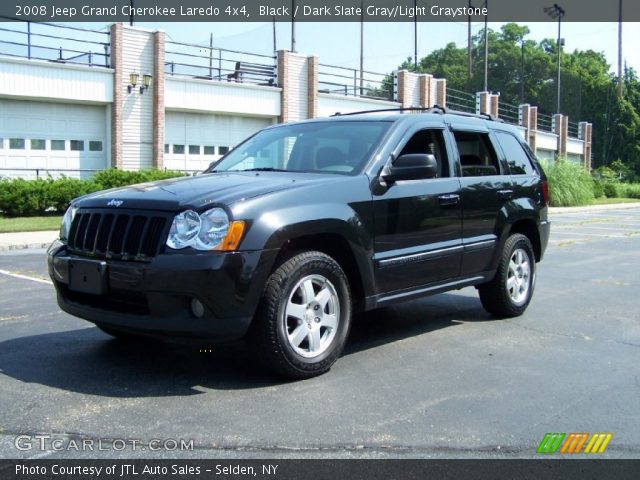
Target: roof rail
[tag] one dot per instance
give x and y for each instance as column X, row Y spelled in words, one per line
column 435, row 109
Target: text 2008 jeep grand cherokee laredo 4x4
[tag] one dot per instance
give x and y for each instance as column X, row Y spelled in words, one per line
column 304, row 224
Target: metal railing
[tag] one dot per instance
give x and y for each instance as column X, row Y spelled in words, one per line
column 211, row 63
column 47, row 172
column 574, row 129
column 53, row 42
column 462, row 101
column 545, row 122
column 349, row 82
column 509, row 113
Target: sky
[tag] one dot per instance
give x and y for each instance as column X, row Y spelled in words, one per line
column 387, row 44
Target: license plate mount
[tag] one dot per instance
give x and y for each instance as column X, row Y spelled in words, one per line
column 88, row 276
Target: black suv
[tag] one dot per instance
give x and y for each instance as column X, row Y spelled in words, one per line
column 302, row 225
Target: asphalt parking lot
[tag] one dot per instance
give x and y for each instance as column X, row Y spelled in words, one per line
column 436, row 377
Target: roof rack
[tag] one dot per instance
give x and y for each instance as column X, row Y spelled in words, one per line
column 435, row 109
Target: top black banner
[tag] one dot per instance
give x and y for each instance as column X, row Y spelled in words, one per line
column 318, row 10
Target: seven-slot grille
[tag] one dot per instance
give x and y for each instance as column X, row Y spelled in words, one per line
column 123, row 235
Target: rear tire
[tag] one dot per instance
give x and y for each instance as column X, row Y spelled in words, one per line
column 510, row 291
column 304, row 316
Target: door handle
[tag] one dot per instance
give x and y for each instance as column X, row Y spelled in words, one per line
column 506, row 194
column 449, row 199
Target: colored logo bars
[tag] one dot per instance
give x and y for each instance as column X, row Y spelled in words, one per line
column 573, row 443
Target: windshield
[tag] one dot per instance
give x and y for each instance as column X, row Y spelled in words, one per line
column 327, row 147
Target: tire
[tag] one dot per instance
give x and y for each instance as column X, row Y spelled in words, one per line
column 304, row 316
column 510, row 291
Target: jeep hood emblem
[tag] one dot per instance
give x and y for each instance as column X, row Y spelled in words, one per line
column 114, row 203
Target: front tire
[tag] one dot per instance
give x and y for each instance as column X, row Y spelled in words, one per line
column 304, row 316
column 510, row 291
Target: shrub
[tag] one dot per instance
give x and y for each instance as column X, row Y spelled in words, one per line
column 63, row 190
column 112, row 178
column 20, row 197
column 598, row 188
column 569, row 184
column 632, row 190
column 613, row 189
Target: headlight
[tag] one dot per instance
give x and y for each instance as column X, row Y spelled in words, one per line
column 184, row 229
column 67, row 220
column 210, row 230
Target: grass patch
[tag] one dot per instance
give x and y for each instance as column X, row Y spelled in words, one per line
column 30, row 224
column 609, row 201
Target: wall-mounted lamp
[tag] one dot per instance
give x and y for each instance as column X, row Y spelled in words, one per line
column 133, row 80
column 146, row 81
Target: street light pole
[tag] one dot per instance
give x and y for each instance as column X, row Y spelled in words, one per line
column 557, row 12
column 486, row 48
column 415, row 36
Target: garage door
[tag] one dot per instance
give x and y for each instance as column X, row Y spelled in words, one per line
column 36, row 137
column 193, row 140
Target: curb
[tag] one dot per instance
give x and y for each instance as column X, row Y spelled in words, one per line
column 593, row 208
column 24, row 246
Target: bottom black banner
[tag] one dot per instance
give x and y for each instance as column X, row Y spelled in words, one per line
column 319, row 469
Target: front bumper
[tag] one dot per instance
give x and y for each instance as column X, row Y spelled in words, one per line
column 155, row 298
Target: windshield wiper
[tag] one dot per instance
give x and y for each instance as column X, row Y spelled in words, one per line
column 262, row 169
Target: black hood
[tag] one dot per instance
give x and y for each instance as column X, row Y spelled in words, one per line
column 199, row 191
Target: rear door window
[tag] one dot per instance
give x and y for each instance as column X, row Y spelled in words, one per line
column 516, row 156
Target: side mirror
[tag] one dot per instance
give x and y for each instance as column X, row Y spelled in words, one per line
column 411, row 166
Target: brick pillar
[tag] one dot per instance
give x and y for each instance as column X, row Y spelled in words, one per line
column 524, row 116
column 560, row 124
column 584, row 133
column 483, row 102
column 283, row 73
column 402, row 79
column 158, row 100
column 425, row 91
column 312, row 85
column 494, row 104
column 116, row 107
column 441, row 92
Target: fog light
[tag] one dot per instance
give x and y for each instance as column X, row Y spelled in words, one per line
column 197, row 309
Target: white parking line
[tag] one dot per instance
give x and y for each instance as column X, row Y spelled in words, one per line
column 25, row 277
column 584, row 234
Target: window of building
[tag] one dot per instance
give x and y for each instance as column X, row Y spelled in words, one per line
column 178, row 149
column 76, row 145
column 1, row 143
column 95, row 146
column 16, row 143
column 194, row 149
column 517, row 158
column 223, row 150
column 57, row 145
column 37, row 144
column 166, row 148
column 209, row 150
column 477, row 157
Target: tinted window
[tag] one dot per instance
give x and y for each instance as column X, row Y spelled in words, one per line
column 336, row 147
column 76, row 145
column 477, row 157
column 95, row 146
column 16, row 143
column 429, row 141
column 57, row 145
column 517, row 158
column 37, row 144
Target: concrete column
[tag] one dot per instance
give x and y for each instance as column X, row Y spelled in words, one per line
column 441, row 92
column 158, row 100
column 116, row 107
column 312, row 86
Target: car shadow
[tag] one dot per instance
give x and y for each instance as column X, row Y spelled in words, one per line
column 90, row 362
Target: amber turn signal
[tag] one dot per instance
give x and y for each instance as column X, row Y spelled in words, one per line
column 234, row 235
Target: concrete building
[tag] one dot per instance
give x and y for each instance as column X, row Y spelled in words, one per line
column 129, row 98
